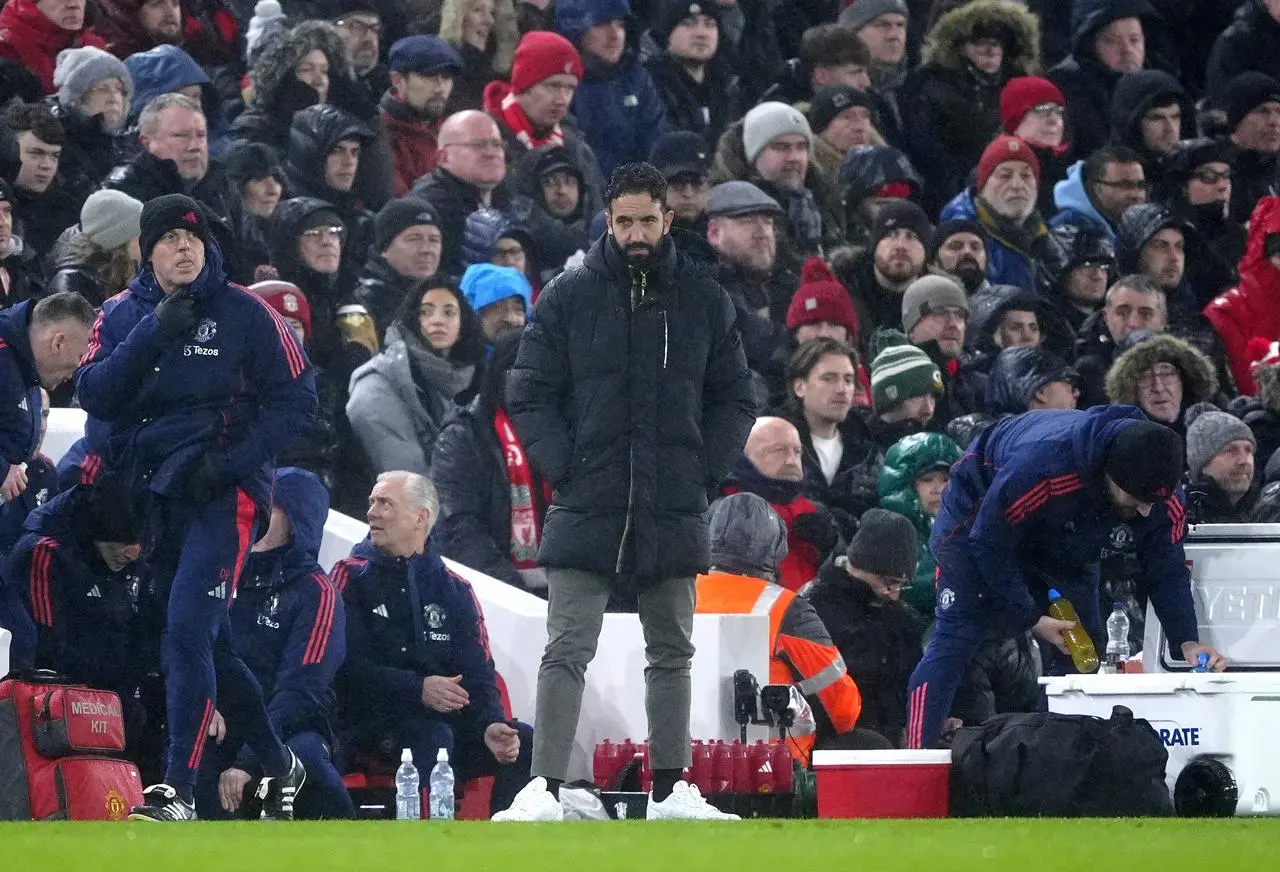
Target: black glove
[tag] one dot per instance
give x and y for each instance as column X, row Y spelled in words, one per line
column 818, row 530
column 176, row 313
column 203, row 482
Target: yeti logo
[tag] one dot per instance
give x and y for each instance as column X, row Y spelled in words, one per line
column 946, row 598
column 206, row 330
column 434, row 615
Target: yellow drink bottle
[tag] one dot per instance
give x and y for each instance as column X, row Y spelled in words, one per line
column 1083, row 654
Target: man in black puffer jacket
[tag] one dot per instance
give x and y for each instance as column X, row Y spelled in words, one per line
column 631, row 395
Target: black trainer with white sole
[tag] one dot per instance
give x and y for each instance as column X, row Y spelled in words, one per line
column 162, row 803
column 278, row 794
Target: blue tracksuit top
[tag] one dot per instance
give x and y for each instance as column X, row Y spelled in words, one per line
column 19, row 389
column 399, row 633
column 237, row 383
column 288, row 621
column 1028, row 499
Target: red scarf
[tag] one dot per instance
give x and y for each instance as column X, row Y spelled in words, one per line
column 513, row 116
column 529, row 494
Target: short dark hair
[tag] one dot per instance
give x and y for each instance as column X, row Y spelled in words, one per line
column 636, row 178
column 832, row 45
column 807, row 356
column 36, row 117
column 1139, row 283
column 63, row 306
column 1095, row 165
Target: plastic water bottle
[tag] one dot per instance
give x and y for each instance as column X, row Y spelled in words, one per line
column 1202, row 663
column 441, row 783
column 1083, row 654
column 1117, row 638
column 408, row 792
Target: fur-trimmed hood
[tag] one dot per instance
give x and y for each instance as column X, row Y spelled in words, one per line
column 1268, row 379
column 502, row 38
column 1199, row 380
column 731, row 164
column 273, row 69
column 944, row 46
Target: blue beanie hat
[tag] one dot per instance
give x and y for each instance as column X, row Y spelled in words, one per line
column 484, row 284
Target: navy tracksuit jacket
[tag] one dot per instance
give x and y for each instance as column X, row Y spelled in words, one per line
column 1026, row 510
column 289, row 626
column 235, row 387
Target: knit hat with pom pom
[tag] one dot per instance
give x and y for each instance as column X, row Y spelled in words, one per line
column 820, row 298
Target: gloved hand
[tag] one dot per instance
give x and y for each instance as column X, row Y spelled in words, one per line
column 203, row 482
column 176, row 313
column 819, row 530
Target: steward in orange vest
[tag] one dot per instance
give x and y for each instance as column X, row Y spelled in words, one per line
column 748, row 542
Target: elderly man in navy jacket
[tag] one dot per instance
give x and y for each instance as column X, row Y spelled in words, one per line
column 193, row 386
column 290, row 626
column 1028, row 509
column 419, row 674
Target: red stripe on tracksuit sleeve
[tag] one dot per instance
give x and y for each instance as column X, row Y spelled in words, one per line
column 319, row 642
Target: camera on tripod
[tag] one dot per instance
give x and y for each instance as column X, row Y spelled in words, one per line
column 770, row 706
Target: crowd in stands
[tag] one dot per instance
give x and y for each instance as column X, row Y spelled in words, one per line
column 928, row 215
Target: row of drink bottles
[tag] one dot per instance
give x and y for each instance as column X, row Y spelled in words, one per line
column 719, row 767
column 1083, row 652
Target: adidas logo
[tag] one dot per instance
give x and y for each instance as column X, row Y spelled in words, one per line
column 95, row 593
column 219, row 592
column 767, row 768
column 381, row 611
column 23, row 405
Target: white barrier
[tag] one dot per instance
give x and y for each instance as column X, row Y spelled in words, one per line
column 613, row 704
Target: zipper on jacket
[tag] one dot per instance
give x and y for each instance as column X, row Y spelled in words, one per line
column 664, row 338
column 631, row 497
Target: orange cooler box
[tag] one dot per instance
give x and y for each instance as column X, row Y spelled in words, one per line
column 883, row 784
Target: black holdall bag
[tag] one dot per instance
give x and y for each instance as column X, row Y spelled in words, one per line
column 1051, row 765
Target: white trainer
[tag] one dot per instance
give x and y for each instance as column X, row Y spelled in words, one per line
column 534, row 803
column 685, row 804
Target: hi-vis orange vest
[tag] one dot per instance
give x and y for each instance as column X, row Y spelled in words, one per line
column 800, row 648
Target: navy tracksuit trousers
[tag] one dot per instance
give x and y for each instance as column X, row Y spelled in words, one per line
column 325, row 796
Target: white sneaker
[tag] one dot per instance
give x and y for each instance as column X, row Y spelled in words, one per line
column 685, row 804
column 582, row 804
column 534, row 803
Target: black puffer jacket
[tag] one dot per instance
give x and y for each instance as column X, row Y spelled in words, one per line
column 1017, row 374
column 88, row 153
column 454, row 200
column 1212, row 266
column 555, row 239
column 881, row 642
column 1250, row 44
column 323, row 292
column 864, row 169
column 147, row 177
column 632, row 396
column 1003, row 677
column 991, row 302
column 704, row 107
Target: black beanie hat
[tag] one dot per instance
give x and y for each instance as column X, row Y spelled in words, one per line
column 1145, row 460
column 949, row 228
column 398, row 216
column 884, row 544
column 673, row 12
column 104, row 512
column 172, row 211
column 1247, row 92
column 897, row 214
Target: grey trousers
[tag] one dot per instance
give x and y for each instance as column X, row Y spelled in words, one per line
column 574, row 617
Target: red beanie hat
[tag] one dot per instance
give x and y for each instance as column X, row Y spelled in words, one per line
column 1004, row 149
column 1023, row 94
column 287, row 299
column 821, row 297
column 541, row 55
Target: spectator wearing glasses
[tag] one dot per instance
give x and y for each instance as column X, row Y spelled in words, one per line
column 1197, row 185
column 1097, row 191
column 360, row 26
column 307, row 241
column 92, row 102
column 1034, row 110
column 1162, row 375
column 935, row 317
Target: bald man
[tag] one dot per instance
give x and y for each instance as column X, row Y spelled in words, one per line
column 771, row 467
column 468, row 177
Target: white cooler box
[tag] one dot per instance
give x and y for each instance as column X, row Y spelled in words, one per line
column 1232, row 718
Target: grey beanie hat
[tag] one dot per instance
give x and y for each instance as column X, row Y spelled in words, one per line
column 766, row 122
column 884, row 544
column 747, row 536
column 860, row 13
column 1209, row 429
column 110, row 218
column 79, row 69
column 928, row 293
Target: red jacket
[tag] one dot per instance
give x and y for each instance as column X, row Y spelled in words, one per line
column 414, row 149
column 1251, row 310
column 28, row 37
column 803, row 560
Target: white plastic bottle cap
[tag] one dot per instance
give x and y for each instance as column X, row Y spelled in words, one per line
column 406, row 756
column 442, row 756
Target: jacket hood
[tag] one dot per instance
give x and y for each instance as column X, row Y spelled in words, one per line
column 867, row 167
column 747, row 537
column 1255, row 268
column 14, row 324
column 211, row 280
column 286, row 226
column 1134, row 95
column 1090, row 16
column 428, row 561
column 1137, row 227
column 314, row 133
column 532, row 165
column 1199, row 379
column 55, row 517
column 273, row 69
column 503, row 38
column 944, row 46
column 1070, row 193
column 576, row 17
column 989, row 305
column 162, row 70
column 306, row 501
column 1016, row 375
column 908, row 459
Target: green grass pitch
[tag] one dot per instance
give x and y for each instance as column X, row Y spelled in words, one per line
column 780, row 846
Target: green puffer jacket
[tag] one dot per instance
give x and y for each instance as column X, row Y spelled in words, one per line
column 908, row 459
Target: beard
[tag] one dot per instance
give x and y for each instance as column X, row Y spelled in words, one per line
column 639, row 255
column 970, row 273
